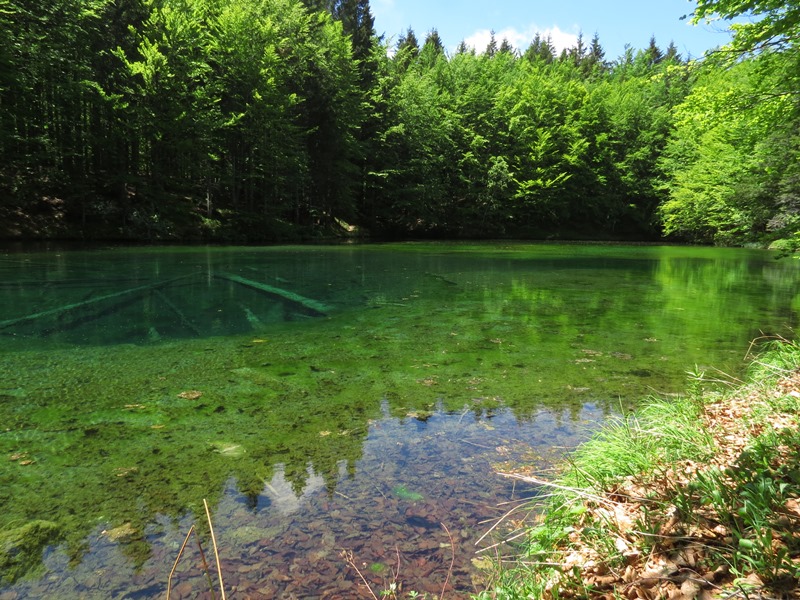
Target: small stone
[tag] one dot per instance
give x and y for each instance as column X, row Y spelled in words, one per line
column 183, row 590
column 120, row 533
column 690, row 588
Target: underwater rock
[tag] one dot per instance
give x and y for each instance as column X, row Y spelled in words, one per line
column 420, row 415
column 125, row 471
column 123, row 532
column 250, row 534
column 421, row 522
column 22, row 457
column 21, row 548
column 228, row 449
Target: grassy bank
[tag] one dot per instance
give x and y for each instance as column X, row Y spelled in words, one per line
column 695, row 496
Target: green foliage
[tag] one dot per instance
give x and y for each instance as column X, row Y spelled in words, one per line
column 731, row 162
column 499, row 145
column 663, row 432
column 182, row 113
column 770, row 22
column 281, row 118
column 752, row 500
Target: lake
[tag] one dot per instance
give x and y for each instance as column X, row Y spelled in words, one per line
column 327, row 398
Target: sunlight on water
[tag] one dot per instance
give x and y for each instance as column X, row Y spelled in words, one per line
column 324, row 398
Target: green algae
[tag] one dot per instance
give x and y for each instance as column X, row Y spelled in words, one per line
column 377, row 568
column 115, row 439
column 21, row 548
column 404, row 493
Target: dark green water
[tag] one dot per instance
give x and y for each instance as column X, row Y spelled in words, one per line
column 368, row 395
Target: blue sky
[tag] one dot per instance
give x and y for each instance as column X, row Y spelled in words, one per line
column 618, row 22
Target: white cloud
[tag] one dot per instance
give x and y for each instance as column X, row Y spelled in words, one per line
column 382, row 7
column 521, row 39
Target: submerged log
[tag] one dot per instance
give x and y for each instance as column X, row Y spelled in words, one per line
column 75, row 283
column 181, row 316
column 80, row 319
column 307, row 304
column 83, row 303
column 441, row 278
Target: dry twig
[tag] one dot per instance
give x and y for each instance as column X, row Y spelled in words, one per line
column 577, row 492
column 452, row 560
column 349, row 559
column 177, row 560
column 216, row 552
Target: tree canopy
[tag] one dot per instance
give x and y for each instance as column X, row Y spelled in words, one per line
column 732, row 159
column 289, row 119
column 773, row 23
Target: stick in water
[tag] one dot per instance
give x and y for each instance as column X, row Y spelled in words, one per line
column 206, row 570
column 177, row 560
column 216, row 553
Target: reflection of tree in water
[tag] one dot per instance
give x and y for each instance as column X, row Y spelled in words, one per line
column 123, row 450
column 128, row 436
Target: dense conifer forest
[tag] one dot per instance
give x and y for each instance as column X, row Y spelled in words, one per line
column 283, row 120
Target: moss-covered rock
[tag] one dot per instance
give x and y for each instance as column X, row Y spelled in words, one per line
column 21, row 548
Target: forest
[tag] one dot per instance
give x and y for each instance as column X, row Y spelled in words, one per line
column 245, row 121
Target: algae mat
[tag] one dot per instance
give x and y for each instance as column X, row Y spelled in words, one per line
column 323, row 398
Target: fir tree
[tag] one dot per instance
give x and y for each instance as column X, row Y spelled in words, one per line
column 506, row 47
column 596, row 56
column 672, row 54
column 653, row 53
column 491, row 47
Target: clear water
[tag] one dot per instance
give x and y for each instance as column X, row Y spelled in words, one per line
column 328, row 398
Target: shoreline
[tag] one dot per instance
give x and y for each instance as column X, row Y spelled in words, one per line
column 690, row 497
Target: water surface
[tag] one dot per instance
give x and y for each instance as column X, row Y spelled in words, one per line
column 328, row 398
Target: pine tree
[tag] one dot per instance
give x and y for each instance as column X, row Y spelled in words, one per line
column 506, row 47
column 533, row 49
column 672, row 54
column 407, row 50
column 578, row 52
column 434, row 41
column 358, row 22
column 653, row 53
column 491, row 47
column 596, row 54
column 547, row 51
